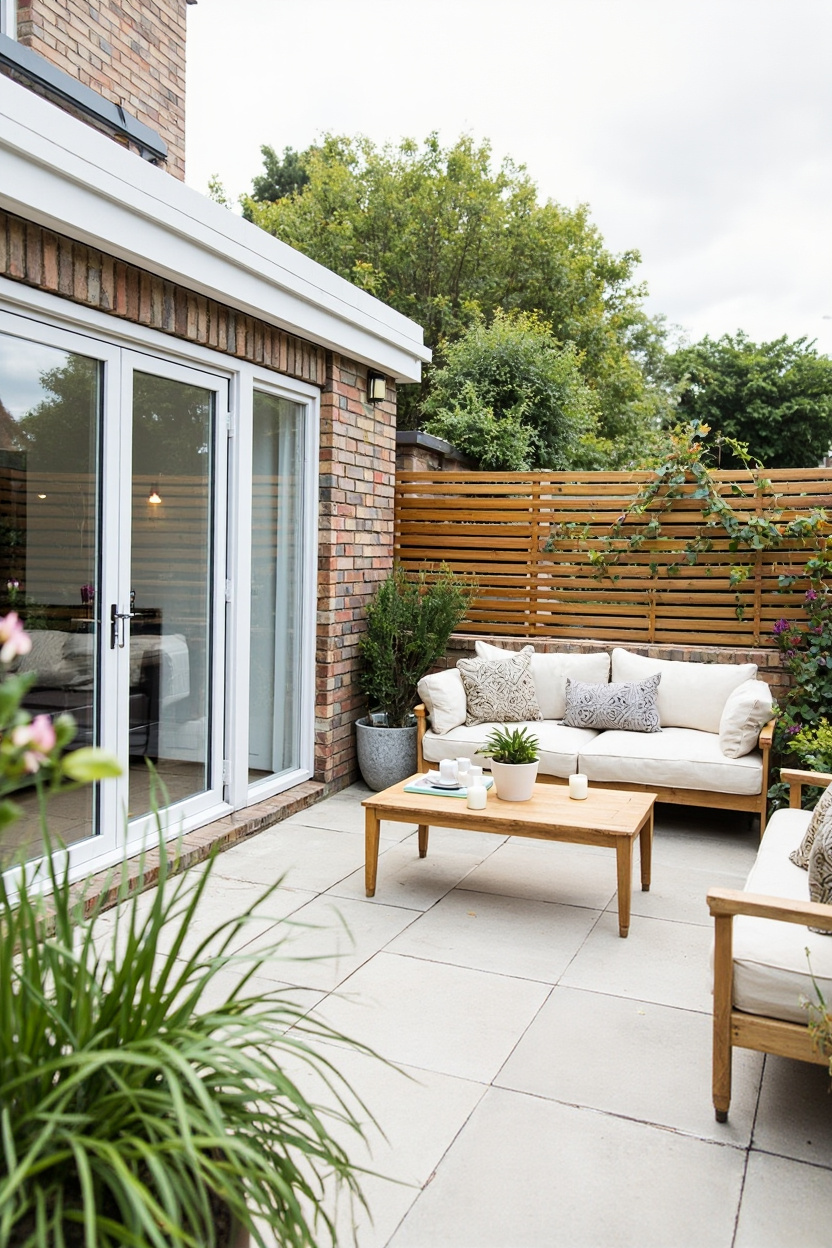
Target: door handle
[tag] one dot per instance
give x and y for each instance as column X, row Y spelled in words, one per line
column 117, row 632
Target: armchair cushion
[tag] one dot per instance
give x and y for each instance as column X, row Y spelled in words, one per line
column 771, row 969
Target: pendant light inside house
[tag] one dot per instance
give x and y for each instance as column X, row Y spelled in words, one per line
column 154, row 497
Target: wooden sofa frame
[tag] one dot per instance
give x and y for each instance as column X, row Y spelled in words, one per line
column 754, row 804
column 735, row 1028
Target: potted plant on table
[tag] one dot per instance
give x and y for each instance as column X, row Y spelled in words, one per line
column 144, row 1098
column 410, row 619
column 514, row 762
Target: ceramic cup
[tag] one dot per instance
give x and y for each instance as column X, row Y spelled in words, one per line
column 448, row 770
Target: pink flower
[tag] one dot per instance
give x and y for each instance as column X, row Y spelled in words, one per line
column 40, row 736
column 14, row 640
column 811, row 595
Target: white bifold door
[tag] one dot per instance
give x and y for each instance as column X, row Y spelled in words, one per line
column 113, row 489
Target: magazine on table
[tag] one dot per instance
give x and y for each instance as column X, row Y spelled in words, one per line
column 425, row 785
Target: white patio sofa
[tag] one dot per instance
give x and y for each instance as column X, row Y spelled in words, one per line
column 763, row 951
column 686, row 762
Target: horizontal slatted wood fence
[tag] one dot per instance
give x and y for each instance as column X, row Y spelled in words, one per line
column 497, row 526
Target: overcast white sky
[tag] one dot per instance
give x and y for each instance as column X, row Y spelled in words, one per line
column 698, row 131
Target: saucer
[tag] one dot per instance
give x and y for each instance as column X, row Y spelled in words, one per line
column 435, row 778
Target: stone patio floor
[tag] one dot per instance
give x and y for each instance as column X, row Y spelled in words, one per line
column 559, row 1090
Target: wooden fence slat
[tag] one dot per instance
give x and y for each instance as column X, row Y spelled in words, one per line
column 499, row 526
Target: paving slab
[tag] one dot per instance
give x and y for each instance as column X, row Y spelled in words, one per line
column 410, row 1117
column 794, row 1118
column 785, row 1204
column 508, row 935
column 529, row 1173
column 330, row 937
column 307, row 857
column 448, row 1019
column 405, row 879
column 667, row 963
column 577, row 875
column 632, row 1058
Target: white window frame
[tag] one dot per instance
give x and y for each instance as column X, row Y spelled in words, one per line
column 44, row 313
column 251, row 378
column 8, row 18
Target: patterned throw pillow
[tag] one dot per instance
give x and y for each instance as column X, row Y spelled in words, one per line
column 500, row 691
column 820, row 871
column 632, row 707
column 820, row 815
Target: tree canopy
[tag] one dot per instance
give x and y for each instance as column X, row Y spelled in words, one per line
column 511, row 399
column 446, row 238
column 776, row 397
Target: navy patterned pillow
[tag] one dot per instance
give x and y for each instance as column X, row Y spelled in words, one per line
column 631, row 706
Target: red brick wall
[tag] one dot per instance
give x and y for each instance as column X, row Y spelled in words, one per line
column 355, row 550
column 130, row 51
column 357, row 446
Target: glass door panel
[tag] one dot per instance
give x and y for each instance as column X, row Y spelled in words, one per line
column 171, row 596
column 276, row 569
column 50, row 448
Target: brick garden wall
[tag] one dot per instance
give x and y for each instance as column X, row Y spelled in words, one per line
column 130, row 51
column 355, row 551
column 357, row 446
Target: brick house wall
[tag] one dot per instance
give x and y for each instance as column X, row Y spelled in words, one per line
column 132, row 52
column 357, row 446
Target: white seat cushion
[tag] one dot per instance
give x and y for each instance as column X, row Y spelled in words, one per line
column 771, row 970
column 559, row 746
column 691, row 695
column 675, row 757
column 549, row 672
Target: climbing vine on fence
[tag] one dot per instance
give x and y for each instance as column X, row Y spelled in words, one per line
column 689, row 461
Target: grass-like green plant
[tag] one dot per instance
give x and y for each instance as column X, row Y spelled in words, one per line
column 130, row 1112
column 516, row 745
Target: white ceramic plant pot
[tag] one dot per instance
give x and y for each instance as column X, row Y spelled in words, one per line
column 514, row 782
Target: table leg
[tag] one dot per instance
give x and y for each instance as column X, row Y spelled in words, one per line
column 424, row 829
column 624, row 863
column 372, row 825
column 645, row 850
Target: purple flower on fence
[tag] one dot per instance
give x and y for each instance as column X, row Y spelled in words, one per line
column 780, row 627
column 811, row 595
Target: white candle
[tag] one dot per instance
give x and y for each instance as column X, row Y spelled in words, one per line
column 448, row 770
column 477, row 796
column 578, row 786
column 463, row 768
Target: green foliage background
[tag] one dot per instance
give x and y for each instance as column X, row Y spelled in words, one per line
column 445, row 238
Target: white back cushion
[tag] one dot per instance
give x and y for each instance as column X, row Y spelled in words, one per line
column 691, row 695
column 745, row 712
column 443, row 694
column 549, row 673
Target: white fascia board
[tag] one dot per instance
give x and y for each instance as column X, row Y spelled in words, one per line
column 62, row 174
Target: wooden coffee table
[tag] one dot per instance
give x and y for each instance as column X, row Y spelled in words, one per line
column 607, row 817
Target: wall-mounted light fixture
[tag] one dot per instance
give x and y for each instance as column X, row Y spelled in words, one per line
column 154, row 497
column 376, row 388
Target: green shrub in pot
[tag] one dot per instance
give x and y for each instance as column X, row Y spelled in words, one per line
column 410, row 619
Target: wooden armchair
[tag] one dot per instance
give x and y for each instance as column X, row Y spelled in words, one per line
column 737, row 1028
